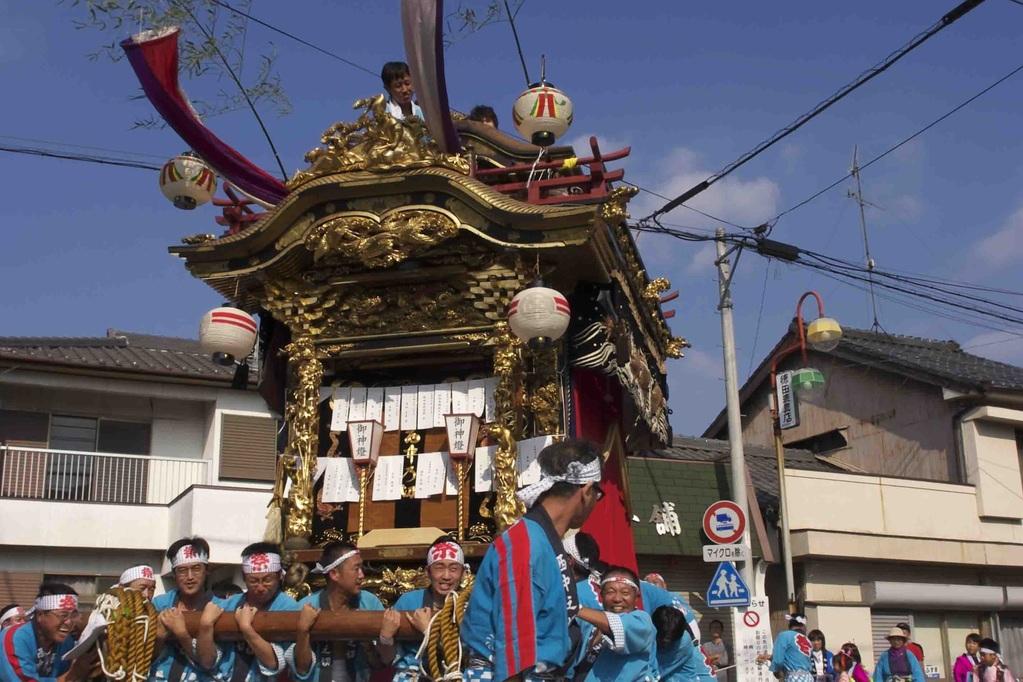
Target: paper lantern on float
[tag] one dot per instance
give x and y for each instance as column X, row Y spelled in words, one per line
column 228, row 333
column 187, row 181
column 538, row 315
column 542, row 114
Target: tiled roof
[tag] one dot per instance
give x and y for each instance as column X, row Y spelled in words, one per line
column 760, row 461
column 945, row 362
column 118, row 351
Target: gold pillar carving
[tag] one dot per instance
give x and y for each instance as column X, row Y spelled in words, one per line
column 508, row 427
column 302, row 414
column 545, row 393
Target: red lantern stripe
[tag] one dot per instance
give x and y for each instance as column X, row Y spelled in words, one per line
column 235, row 324
column 244, row 319
column 562, row 309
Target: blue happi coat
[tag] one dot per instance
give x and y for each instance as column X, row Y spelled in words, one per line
column 682, row 661
column 23, row 662
column 791, row 653
column 406, row 662
column 884, row 669
column 519, row 614
column 323, row 659
column 170, row 664
column 239, row 663
column 630, row 652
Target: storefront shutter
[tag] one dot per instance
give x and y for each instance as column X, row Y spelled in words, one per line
column 881, row 622
column 19, row 588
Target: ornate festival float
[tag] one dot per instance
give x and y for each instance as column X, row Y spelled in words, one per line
column 433, row 302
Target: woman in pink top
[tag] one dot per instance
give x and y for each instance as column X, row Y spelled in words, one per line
column 851, row 670
column 963, row 670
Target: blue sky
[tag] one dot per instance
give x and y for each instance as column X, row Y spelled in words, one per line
column 688, row 85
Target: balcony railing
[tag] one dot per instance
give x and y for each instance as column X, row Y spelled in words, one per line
column 72, row 476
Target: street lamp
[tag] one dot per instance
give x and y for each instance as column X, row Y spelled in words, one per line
column 823, row 335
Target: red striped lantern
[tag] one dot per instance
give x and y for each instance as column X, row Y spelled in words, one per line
column 542, row 114
column 228, row 333
column 538, row 315
column 187, row 181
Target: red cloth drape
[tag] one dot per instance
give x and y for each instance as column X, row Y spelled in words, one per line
column 596, row 404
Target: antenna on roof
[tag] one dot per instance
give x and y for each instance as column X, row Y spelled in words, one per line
column 858, row 196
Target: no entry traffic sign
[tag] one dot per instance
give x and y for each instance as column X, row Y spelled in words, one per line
column 751, row 619
column 723, row 522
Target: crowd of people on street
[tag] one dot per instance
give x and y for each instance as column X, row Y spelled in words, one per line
column 543, row 607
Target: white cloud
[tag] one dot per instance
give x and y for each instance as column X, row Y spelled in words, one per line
column 747, row 202
column 1002, row 248
column 703, row 260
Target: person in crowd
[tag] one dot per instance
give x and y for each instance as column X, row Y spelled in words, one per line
column 991, row 667
column 12, row 614
column 898, row 663
column 715, row 649
column 139, row 578
column 253, row 659
column 223, row 589
column 679, row 659
column 913, row 647
column 398, row 84
column 512, row 626
column 620, row 640
column 445, row 566
column 857, row 672
column 176, row 659
column 341, row 661
column 821, row 658
column 34, row 650
column 484, row 114
column 962, row 671
column 584, row 558
column 790, row 659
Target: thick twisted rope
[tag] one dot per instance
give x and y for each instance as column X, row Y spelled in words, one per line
column 441, row 651
column 130, row 635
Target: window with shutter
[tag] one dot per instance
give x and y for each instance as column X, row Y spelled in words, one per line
column 248, row 447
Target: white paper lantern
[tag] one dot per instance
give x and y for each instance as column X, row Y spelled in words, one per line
column 539, row 315
column 542, row 114
column 228, row 333
column 187, row 181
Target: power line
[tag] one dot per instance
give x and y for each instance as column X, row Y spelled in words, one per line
column 70, row 156
column 948, row 19
column 294, row 37
column 694, row 210
column 901, row 143
column 518, row 45
column 52, row 143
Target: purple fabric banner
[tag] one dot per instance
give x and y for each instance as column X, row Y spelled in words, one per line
column 423, row 26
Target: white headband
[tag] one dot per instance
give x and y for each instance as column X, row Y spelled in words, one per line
column 573, row 550
column 620, row 579
column 577, row 474
column 261, row 562
column 988, row 651
column 57, row 602
column 445, row 551
column 11, row 613
column 799, row 619
column 136, row 573
column 337, row 562
column 189, row 554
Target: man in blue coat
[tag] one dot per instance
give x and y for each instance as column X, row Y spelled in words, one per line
column 790, row 658
column 898, row 662
column 176, row 659
column 445, row 566
column 34, row 650
column 340, row 661
column 253, row 659
column 521, row 615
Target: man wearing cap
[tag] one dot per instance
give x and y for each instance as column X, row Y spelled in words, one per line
column 253, row 659
column 12, row 614
column 991, row 668
column 34, row 650
column 340, row 661
column 139, row 578
column 898, row 663
column 790, row 659
column 521, row 615
column 177, row 659
column 445, row 566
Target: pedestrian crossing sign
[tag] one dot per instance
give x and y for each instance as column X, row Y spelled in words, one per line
column 727, row 587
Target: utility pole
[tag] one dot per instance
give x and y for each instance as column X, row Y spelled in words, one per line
column 738, row 456
column 858, row 196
